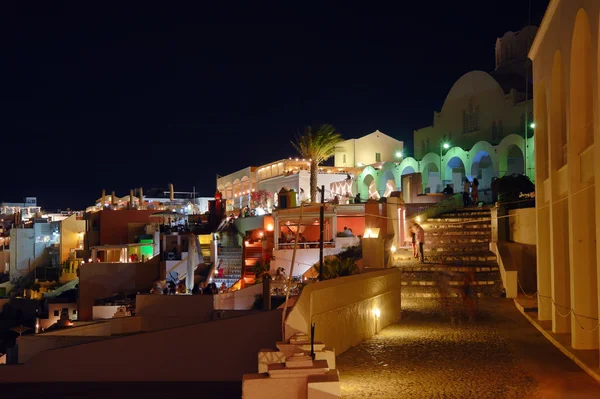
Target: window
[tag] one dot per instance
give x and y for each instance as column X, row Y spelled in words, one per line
column 377, row 157
column 471, row 118
column 344, row 158
column 56, row 313
column 74, row 312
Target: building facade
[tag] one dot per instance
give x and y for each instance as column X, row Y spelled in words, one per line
column 566, row 74
column 372, row 148
column 491, row 112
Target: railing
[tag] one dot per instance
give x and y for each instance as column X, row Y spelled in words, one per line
column 305, row 245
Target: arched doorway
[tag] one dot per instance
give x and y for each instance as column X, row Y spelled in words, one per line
column 455, row 173
column 431, row 178
column 514, row 160
column 482, row 169
column 371, row 185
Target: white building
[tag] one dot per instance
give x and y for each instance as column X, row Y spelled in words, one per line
column 28, row 208
column 372, row 148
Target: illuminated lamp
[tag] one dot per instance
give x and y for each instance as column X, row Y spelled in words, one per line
column 269, row 227
column 377, row 312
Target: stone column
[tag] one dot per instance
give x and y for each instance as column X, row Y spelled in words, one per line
column 559, row 256
column 584, row 279
column 544, row 278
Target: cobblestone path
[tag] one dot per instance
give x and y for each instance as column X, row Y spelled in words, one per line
column 498, row 355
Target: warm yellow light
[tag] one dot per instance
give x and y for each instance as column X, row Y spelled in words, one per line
column 260, row 234
column 418, row 219
column 393, row 249
column 368, row 233
column 247, row 243
column 269, row 227
column 377, row 312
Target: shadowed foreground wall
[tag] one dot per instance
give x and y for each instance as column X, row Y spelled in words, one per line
column 103, row 280
column 214, row 351
column 342, row 309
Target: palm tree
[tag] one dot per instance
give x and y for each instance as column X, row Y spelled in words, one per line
column 317, row 144
column 334, row 267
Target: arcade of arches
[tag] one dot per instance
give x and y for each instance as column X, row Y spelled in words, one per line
column 566, row 74
column 483, row 162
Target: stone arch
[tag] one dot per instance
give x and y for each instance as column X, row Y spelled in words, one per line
column 507, row 144
column 408, row 165
column 430, row 172
column 245, row 185
column 541, row 134
column 366, row 179
column 558, row 118
column 388, row 181
column 228, row 191
column 236, row 187
column 455, row 172
column 454, row 152
column 484, row 167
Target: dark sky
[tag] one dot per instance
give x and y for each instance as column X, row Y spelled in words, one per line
column 143, row 94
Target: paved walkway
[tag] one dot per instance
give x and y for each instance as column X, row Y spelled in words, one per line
column 498, row 355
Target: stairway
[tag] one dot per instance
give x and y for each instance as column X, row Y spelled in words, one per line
column 230, row 260
column 456, row 242
column 253, row 255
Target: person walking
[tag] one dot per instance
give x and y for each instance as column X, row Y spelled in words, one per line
column 420, row 238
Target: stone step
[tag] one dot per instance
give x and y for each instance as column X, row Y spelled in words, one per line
column 449, row 239
column 455, row 248
column 452, row 269
column 483, row 213
column 437, row 258
column 447, row 219
column 441, row 226
column 432, row 291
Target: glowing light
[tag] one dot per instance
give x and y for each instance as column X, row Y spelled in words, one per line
column 393, row 249
column 399, row 154
column 446, row 146
column 368, row 233
column 418, row 219
column 377, row 312
column 532, row 125
column 247, row 243
column 359, row 164
column 260, row 234
column 269, row 227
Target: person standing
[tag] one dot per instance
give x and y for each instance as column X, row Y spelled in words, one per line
column 466, row 190
column 475, row 191
column 420, row 238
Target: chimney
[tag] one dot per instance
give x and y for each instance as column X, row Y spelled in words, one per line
column 171, row 192
column 141, row 198
column 131, row 198
column 113, row 199
column 102, row 204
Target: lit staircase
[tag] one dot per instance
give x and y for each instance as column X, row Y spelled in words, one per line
column 455, row 242
column 253, row 254
column 230, row 260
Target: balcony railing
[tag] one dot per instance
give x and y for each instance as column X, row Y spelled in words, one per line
column 306, row 245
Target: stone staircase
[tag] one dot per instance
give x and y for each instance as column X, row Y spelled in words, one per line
column 456, row 242
column 230, row 260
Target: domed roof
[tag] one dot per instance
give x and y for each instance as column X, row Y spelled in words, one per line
column 471, row 83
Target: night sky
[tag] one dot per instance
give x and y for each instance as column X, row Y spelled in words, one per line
column 143, row 94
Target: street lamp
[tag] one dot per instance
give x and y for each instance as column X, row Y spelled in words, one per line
column 399, row 154
column 443, row 146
